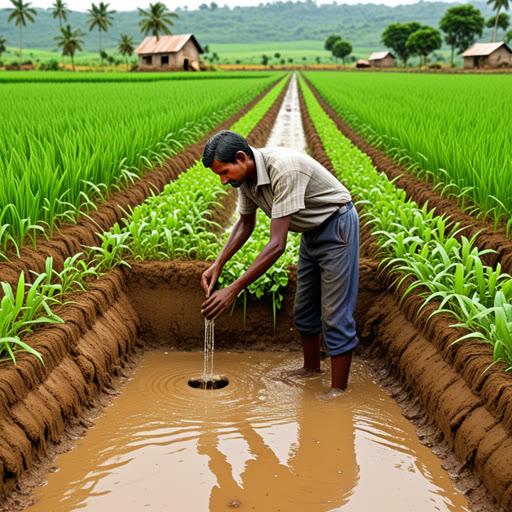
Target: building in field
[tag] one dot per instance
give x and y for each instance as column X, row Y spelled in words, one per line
column 382, row 60
column 169, row 53
column 488, row 55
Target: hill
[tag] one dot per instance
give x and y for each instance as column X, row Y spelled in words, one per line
column 361, row 24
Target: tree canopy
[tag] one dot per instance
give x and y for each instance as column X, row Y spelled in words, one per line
column 60, row 10
column 329, row 42
column 156, row 20
column 341, row 49
column 70, row 41
column 20, row 14
column 395, row 36
column 424, row 41
column 497, row 5
column 462, row 25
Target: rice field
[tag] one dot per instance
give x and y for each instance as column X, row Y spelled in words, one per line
column 454, row 129
column 64, row 144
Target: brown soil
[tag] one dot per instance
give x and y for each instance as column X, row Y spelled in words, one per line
column 461, row 411
column 421, row 192
column 69, row 240
column 447, row 380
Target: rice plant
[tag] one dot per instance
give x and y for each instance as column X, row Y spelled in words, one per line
column 454, row 129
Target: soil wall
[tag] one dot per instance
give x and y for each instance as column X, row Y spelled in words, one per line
column 81, row 357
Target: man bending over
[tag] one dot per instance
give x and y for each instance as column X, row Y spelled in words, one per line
column 298, row 194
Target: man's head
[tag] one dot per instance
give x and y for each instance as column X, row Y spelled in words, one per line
column 229, row 156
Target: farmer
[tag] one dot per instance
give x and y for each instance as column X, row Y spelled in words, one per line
column 300, row 195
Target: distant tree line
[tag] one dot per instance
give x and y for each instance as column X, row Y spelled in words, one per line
column 156, row 20
column 462, row 26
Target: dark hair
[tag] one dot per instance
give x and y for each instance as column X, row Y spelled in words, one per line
column 224, row 146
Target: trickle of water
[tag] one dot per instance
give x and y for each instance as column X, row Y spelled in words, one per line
column 209, row 343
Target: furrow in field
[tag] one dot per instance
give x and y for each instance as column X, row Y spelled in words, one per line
column 71, row 237
column 473, row 409
column 421, row 192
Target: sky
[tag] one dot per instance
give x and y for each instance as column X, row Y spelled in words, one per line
column 132, row 5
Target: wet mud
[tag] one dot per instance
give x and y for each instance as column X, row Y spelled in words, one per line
column 421, row 192
column 71, row 237
column 253, row 445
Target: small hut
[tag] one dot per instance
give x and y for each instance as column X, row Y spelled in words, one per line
column 176, row 53
column 361, row 63
column 488, row 55
column 382, row 60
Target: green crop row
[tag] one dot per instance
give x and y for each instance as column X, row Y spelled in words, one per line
column 64, row 146
column 66, row 77
column 418, row 244
column 172, row 225
column 449, row 128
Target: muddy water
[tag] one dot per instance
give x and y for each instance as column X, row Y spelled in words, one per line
column 288, row 130
column 264, row 442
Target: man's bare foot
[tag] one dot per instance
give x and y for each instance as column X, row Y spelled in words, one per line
column 332, row 393
column 303, row 372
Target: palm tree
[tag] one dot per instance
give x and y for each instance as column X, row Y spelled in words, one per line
column 61, row 11
column 2, row 45
column 101, row 18
column 21, row 13
column 126, row 47
column 496, row 5
column 70, row 42
column 156, row 20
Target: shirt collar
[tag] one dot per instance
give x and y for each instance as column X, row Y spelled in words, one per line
column 261, row 170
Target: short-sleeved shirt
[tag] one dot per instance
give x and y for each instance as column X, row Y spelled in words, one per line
column 290, row 182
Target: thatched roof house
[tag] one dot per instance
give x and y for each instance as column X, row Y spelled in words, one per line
column 488, row 55
column 179, row 52
column 382, row 60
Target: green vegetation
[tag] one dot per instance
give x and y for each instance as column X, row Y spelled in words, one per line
column 280, row 26
column 176, row 224
column 63, row 147
column 156, row 20
column 102, row 18
column 51, row 76
column 424, row 121
column 70, row 42
column 20, row 14
column 419, row 245
column 462, row 26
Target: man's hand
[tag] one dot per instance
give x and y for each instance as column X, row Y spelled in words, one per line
column 219, row 302
column 209, row 278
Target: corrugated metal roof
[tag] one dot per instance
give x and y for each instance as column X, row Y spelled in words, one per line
column 166, row 44
column 482, row 49
column 379, row 55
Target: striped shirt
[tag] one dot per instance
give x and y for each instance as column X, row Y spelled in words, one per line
column 292, row 183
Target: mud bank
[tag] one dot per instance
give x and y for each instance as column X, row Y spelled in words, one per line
column 470, row 408
column 71, row 237
column 421, row 192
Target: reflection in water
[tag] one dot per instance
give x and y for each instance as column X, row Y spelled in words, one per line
column 262, row 443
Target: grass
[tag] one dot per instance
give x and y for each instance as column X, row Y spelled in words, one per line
column 454, row 129
column 63, row 146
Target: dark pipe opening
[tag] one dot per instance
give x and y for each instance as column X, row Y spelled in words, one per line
column 218, row 382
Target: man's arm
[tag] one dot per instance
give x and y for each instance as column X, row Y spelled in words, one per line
column 240, row 233
column 222, row 300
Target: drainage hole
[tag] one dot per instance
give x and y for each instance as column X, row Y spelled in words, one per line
column 217, row 382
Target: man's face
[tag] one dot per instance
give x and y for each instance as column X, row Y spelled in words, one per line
column 229, row 173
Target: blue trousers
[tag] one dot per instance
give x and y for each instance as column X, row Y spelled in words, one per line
column 328, row 279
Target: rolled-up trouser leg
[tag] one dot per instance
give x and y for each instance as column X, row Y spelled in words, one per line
column 332, row 250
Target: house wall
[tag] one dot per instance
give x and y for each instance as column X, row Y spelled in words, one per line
column 386, row 62
column 498, row 59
